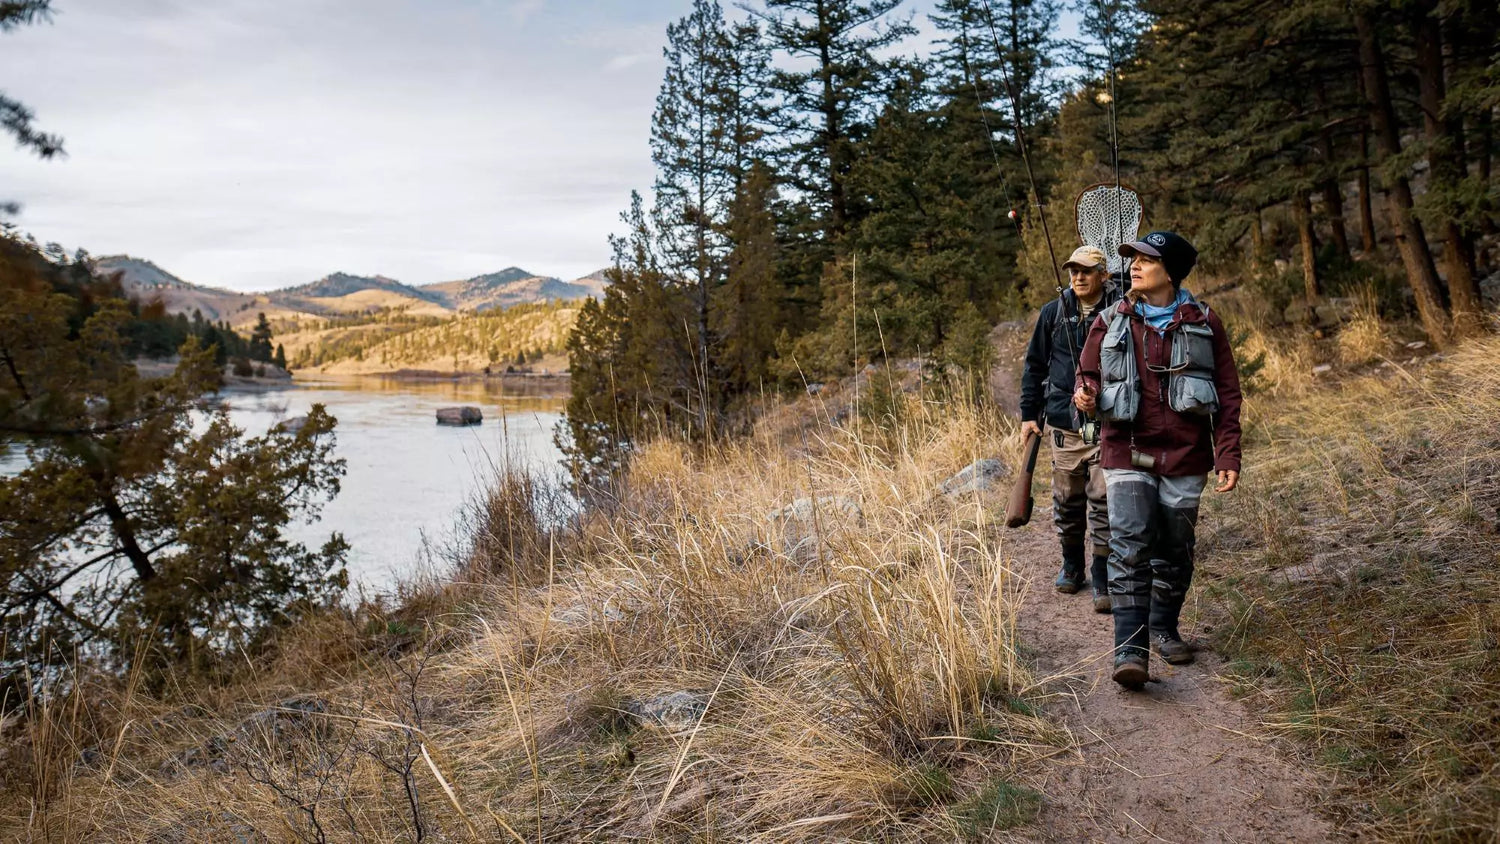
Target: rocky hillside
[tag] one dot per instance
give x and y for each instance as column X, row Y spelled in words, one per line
column 513, row 286
column 147, row 281
column 353, row 324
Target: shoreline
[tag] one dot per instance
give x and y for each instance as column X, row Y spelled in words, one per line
column 438, row 375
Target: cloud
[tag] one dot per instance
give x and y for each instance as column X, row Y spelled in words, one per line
column 252, row 144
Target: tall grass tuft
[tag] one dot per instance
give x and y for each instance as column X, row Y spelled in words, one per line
column 1355, row 581
column 789, row 636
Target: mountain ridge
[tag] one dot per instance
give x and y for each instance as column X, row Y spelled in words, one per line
column 341, row 292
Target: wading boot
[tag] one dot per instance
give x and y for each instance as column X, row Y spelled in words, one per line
column 1132, row 648
column 1070, row 579
column 1171, row 648
column 1130, row 671
column 1099, row 575
column 1171, row 577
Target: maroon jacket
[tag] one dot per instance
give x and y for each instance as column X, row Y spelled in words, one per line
column 1182, row 444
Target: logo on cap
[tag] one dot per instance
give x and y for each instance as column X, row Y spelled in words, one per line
column 1156, row 240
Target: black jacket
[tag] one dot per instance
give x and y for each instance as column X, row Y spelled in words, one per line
column 1047, row 380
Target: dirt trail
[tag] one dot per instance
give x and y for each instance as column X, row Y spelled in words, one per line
column 1181, row 761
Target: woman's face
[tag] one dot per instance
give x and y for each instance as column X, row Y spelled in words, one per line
column 1148, row 275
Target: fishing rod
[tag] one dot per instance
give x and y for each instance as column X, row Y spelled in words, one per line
column 1106, row 21
column 989, row 134
column 1015, row 109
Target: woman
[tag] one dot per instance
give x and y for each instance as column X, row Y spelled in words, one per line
column 1158, row 370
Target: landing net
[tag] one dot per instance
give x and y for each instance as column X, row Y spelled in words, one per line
column 1109, row 215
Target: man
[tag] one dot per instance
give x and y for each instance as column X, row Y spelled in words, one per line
column 1078, row 491
column 1159, row 371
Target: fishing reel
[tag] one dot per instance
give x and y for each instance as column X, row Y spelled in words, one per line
column 1089, row 430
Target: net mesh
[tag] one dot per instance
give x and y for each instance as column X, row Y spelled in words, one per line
column 1107, row 217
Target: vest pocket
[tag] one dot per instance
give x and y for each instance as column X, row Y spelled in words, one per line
column 1119, row 401
column 1192, row 394
column 1115, row 353
column 1195, row 347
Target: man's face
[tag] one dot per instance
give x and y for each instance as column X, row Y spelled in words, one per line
column 1088, row 282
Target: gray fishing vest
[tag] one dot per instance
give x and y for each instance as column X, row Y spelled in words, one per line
column 1190, row 375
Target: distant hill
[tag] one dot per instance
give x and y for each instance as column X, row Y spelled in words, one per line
column 145, row 280
column 510, row 286
column 343, row 284
column 354, row 323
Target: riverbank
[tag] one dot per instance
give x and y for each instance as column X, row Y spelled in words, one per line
column 554, row 380
column 818, row 632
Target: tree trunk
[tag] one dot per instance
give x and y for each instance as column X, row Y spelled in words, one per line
column 1410, row 240
column 1333, row 206
column 1302, row 209
column 125, row 533
column 1367, row 240
column 1331, row 190
column 833, row 130
column 1445, row 163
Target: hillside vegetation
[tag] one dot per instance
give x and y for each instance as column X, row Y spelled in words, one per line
column 706, row 656
column 396, row 339
column 798, row 635
column 1356, row 583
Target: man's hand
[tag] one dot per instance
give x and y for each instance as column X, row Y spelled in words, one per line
column 1030, row 427
column 1084, row 400
column 1228, row 479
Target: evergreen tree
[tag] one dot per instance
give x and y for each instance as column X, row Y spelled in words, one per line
column 142, row 515
column 747, row 306
column 826, row 109
column 704, row 129
column 260, row 340
column 280, row 358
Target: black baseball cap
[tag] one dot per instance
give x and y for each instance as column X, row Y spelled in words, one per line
column 1176, row 254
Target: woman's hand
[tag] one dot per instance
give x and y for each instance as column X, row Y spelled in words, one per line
column 1228, row 480
column 1084, row 400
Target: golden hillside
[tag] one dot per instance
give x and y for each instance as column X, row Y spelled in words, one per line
column 400, row 339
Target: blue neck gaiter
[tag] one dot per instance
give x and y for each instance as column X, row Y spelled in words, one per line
column 1159, row 318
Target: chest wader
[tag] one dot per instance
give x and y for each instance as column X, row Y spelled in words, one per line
column 1080, row 514
column 1153, row 518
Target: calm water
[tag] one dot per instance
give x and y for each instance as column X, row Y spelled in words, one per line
column 407, row 478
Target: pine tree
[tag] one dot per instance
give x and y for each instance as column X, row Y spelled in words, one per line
column 827, row 109
column 260, row 340
column 143, row 514
column 704, row 129
column 747, row 306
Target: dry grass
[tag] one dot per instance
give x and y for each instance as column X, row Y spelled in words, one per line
column 1356, row 587
column 852, row 670
column 1365, row 338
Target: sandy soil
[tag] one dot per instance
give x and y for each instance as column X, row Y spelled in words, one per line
column 1179, row 761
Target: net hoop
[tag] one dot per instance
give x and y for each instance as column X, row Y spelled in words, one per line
column 1109, row 215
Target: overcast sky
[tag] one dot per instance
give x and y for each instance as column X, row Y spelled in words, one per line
column 253, row 144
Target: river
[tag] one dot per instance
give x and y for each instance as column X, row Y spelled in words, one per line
column 407, row 477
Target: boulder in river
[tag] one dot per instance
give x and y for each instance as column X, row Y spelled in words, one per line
column 466, row 415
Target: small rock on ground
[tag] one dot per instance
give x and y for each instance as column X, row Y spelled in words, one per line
column 674, row 711
column 982, row 475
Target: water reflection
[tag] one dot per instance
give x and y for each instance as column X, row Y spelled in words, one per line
column 407, row 477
